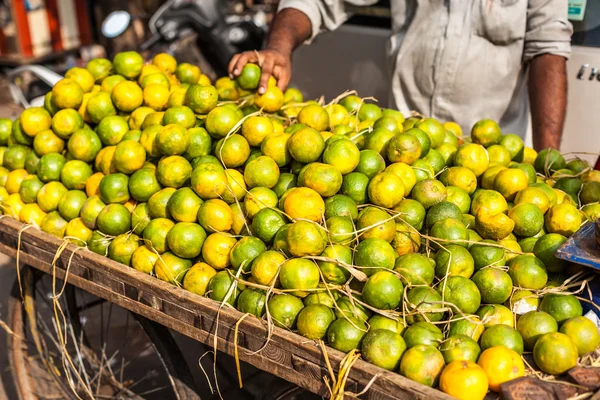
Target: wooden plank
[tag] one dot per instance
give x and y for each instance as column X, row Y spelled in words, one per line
column 588, row 377
column 289, row 344
column 529, row 388
column 287, row 354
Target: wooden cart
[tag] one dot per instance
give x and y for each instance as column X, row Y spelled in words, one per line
column 287, row 355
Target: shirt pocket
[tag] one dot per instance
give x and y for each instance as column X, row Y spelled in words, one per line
column 500, row 21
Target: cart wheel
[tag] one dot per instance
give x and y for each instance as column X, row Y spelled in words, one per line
column 109, row 352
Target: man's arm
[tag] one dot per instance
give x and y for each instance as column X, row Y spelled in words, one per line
column 297, row 21
column 290, row 29
column 547, row 46
column 548, row 99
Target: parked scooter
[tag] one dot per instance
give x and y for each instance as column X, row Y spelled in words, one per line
column 200, row 32
column 44, row 79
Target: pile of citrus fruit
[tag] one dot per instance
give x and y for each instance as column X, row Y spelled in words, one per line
column 430, row 251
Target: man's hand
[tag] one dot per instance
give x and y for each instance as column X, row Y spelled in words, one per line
column 290, row 28
column 272, row 61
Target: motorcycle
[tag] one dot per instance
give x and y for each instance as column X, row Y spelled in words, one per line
column 201, row 32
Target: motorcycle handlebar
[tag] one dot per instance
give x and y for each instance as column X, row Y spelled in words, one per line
column 150, row 42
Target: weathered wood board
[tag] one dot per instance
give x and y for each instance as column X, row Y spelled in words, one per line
column 286, row 355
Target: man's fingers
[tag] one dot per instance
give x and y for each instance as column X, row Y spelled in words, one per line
column 267, row 68
column 283, row 77
column 243, row 59
column 239, row 64
column 232, row 64
column 268, row 65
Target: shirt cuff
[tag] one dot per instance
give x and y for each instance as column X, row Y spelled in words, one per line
column 533, row 50
column 308, row 8
column 555, row 39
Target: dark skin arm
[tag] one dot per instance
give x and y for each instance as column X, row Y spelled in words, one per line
column 289, row 30
column 547, row 75
column 548, row 99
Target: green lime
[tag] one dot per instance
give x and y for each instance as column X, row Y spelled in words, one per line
column 561, row 307
column 421, row 301
column 284, row 309
column 252, row 301
column 416, row 268
column 494, row 285
column 423, row 333
column 502, row 335
column 383, row 348
column 344, row 334
column 533, row 324
column 383, row 290
column 460, row 348
column 314, row 321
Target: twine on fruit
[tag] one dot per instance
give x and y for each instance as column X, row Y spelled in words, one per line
column 9, row 331
column 415, row 113
column 173, row 280
column 235, row 349
column 466, row 241
column 291, row 105
column 354, row 271
column 57, row 255
column 496, row 265
column 225, row 102
column 548, row 164
column 337, row 383
column 386, row 313
column 346, row 290
column 409, row 309
column 361, row 133
column 105, row 239
column 256, row 285
column 210, row 387
column 235, row 198
column 592, row 359
column 220, row 158
column 18, row 258
column 61, row 320
column 233, row 130
column 268, row 290
column 14, row 215
column 232, row 288
column 571, row 282
column 580, row 284
column 269, row 317
column 347, row 93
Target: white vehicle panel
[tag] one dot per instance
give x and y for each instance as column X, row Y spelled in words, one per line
column 582, row 127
